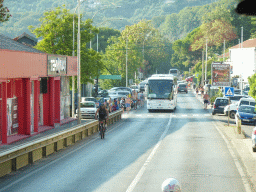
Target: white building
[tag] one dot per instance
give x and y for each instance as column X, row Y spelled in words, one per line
column 243, row 60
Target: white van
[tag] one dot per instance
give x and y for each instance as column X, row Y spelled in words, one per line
column 233, row 107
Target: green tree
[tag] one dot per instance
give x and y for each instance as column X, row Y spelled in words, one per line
column 56, row 29
column 4, row 12
column 252, row 83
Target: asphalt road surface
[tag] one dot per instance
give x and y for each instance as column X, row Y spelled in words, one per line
column 138, row 154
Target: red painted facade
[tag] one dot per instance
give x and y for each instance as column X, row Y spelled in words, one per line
column 20, row 82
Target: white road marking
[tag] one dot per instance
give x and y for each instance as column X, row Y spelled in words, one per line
column 184, row 115
column 143, row 168
column 195, row 115
column 150, row 115
column 237, row 163
column 138, row 115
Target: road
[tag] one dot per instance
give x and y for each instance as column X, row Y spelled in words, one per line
column 138, row 154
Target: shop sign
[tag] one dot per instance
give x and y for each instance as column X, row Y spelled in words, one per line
column 220, row 74
column 57, row 65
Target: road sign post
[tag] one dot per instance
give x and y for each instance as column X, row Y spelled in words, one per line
column 229, row 92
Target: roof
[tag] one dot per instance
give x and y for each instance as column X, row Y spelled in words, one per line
column 161, row 77
column 246, row 44
column 25, row 35
column 10, row 44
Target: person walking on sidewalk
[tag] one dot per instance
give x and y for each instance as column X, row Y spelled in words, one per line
column 206, row 100
column 128, row 103
column 197, row 92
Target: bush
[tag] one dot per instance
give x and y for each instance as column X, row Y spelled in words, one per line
column 219, row 94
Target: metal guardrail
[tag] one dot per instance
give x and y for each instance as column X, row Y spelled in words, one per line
column 27, row 153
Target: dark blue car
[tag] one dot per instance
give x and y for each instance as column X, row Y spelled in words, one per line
column 247, row 114
column 219, row 105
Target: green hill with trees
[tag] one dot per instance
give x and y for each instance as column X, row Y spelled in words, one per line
column 28, row 12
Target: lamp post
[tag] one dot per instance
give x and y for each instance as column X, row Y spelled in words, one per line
column 78, row 65
column 126, row 82
column 206, row 64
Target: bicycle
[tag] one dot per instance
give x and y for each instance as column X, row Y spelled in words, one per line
column 102, row 129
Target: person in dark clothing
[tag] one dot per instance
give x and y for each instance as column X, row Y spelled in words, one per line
column 103, row 114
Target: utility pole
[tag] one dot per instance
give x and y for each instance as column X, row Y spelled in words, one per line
column 126, row 81
column 224, row 51
column 78, row 67
column 202, row 81
column 206, row 64
column 242, row 31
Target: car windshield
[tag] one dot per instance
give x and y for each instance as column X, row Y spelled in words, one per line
column 245, row 109
column 123, row 93
column 89, row 105
column 235, row 98
column 221, row 102
column 159, row 89
column 182, row 85
column 90, row 99
column 247, row 103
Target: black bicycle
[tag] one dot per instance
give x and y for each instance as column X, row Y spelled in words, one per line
column 102, row 129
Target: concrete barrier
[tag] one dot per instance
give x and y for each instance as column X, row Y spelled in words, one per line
column 28, row 153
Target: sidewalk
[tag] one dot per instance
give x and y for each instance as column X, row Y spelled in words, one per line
column 242, row 147
column 44, row 132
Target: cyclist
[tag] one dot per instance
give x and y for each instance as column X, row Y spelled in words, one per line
column 103, row 114
column 171, row 185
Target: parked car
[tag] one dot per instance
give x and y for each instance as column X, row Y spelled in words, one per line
column 83, row 99
column 189, row 78
column 182, row 87
column 135, row 87
column 254, row 139
column 103, row 93
column 121, row 89
column 247, row 114
column 219, row 105
column 232, row 108
column 142, row 85
column 88, row 109
column 118, row 94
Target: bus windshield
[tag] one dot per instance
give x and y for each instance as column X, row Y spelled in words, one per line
column 159, row 89
column 173, row 71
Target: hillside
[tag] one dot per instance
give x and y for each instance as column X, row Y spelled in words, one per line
column 28, row 12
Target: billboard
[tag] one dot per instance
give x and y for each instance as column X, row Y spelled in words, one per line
column 220, row 74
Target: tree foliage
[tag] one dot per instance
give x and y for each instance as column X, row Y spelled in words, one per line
column 4, row 12
column 56, row 31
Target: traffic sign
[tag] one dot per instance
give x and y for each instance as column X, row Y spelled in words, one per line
column 110, row 77
column 229, row 91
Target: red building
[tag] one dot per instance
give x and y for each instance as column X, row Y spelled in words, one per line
column 34, row 89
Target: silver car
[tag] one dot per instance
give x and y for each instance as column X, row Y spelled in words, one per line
column 88, row 109
column 254, row 139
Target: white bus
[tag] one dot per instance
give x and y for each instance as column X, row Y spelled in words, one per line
column 174, row 72
column 161, row 94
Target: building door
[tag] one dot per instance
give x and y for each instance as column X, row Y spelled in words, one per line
column 41, row 110
column 32, row 107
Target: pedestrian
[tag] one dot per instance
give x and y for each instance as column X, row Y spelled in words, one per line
column 197, row 92
column 202, row 91
column 122, row 103
column 128, row 103
column 206, row 100
column 110, row 105
column 134, row 98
